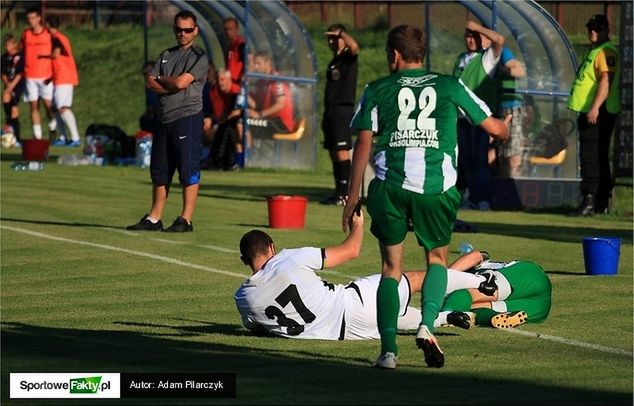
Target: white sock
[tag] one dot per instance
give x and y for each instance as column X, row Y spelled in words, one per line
column 152, row 220
column 69, row 119
column 441, row 319
column 52, row 124
column 37, row 131
column 462, row 280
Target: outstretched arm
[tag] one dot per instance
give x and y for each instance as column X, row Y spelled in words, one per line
column 351, row 247
column 362, row 151
column 497, row 129
column 467, row 261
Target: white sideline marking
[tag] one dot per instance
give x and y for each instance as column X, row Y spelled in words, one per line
column 127, row 251
column 568, row 341
column 126, row 232
column 243, row 276
column 168, row 241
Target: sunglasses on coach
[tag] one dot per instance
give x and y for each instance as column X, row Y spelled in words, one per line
column 178, row 30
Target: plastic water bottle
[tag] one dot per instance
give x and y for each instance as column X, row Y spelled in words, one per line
column 465, row 248
column 28, row 166
column 144, row 152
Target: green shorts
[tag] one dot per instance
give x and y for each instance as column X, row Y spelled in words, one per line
column 432, row 215
column 531, row 290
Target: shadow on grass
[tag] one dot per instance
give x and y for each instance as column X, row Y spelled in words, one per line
column 203, row 327
column 255, row 193
column 59, row 223
column 269, row 376
column 565, row 273
column 557, row 232
column 260, row 193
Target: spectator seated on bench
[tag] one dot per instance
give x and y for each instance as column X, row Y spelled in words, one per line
column 270, row 103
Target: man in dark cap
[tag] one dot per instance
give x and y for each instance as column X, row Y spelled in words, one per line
column 595, row 95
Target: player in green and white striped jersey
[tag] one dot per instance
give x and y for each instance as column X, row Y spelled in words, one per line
column 410, row 117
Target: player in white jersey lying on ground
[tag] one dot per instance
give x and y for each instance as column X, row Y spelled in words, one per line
column 285, row 296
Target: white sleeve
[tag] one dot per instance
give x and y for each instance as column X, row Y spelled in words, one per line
column 490, row 62
column 307, row 257
column 243, row 308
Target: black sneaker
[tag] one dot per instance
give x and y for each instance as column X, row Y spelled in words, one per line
column 488, row 287
column 180, row 225
column 146, row 225
column 465, row 320
column 334, row 201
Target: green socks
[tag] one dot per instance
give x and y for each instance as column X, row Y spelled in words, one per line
column 387, row 301
column 484, row 316
column 434, row 288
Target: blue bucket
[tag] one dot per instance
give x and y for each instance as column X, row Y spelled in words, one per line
column 601, row 255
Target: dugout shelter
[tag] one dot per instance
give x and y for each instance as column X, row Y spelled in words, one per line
column 266, row 26
column 540, row 44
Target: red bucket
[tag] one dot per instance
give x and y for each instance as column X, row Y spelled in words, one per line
column 287, row 211
column 34, row 150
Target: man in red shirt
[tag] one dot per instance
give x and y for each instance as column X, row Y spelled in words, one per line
column 65, row 78
column 235, row 53
column 219, row 126
column 270, row 102
column 37, row 43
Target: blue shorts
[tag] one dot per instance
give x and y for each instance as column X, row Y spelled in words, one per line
column 176, row 145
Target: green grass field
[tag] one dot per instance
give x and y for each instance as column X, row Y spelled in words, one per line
column 81, row 294
column 78, row 293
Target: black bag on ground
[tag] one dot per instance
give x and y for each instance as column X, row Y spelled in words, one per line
column 120, row 145
column 223, row 147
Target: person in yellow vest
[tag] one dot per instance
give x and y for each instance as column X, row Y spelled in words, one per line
column 595, row 95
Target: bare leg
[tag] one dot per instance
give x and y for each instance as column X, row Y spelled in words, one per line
column 52, row 121
column 159, row 197
column 392, row 261
column 36, row 119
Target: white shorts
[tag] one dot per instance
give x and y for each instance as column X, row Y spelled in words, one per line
column 63, row 96
column 37, row 89
column 361, row 308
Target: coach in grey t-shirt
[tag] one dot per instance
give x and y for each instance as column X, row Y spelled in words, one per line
column 175, row 62
column 178, row 78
